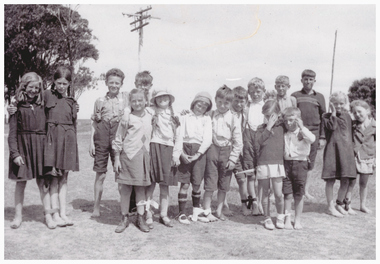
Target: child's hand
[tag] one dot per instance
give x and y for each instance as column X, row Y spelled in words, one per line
column 321, row 143
column 194, row 157
column 185, row 112
column 117, row 165
column 272, row 120
column 332, row 109
column 92, row 150
column 186, row 158
column 175, row 163
column 11, row 109
column 18, row 161
column 77, row 107
column 230, row 165
column 299, row 122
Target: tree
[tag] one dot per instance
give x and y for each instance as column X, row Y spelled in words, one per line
column 364, row 89
column 44, row 37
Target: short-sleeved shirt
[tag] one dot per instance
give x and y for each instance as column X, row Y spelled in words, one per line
column 108, row 108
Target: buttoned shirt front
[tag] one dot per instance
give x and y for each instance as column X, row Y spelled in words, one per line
column 297, row 144
column 108, row 108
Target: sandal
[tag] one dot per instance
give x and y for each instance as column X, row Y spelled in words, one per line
column 183, row 219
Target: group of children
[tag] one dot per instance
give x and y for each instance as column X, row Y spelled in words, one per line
column 270, row 140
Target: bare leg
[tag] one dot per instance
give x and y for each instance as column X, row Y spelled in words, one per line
column 288, row 207
column 259, row 197
column 207, row 197
column 363, row 193
column 221, row 197
column 307, row 185
column 344, row 182
column 298, row 206
column 264, row 186
column 329, row 190
column 348, row 208
column 62, row 193
column 45, row 198
column 251, row 191
column 19, row 201
column 164, row 200
column 242, row 182
column 98, row 191
column 149, row 190
column 55, row 202
column 277, row 190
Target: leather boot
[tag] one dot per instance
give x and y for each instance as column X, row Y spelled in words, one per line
column 123, row 224
column 141, row 223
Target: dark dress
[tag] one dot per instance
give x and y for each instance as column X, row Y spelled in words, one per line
column 61, row 149
column 27, row 137
column 338, row 158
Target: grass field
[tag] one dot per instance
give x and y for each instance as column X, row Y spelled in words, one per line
column 241, row 237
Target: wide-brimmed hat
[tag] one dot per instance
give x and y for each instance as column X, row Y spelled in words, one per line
column 160, row 93
column 204, row 97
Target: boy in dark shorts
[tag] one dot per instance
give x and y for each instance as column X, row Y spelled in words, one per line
column 312, row 105
column 297, row 147
column 223, row 153
column 108, row 111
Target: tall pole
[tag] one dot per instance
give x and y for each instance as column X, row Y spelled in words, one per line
column 333, row 60
column 139, row 23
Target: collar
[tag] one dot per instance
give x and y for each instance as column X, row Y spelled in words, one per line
column 295, row 132
column 108, row 97
column 282, row 98
column 312, row 91
column 217, row 113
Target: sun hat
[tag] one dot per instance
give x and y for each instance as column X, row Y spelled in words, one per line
column 161, row 93
column 204, row 97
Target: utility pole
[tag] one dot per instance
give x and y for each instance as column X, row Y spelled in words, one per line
column 139, row 23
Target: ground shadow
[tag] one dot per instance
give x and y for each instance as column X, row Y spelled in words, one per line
column 29, row 213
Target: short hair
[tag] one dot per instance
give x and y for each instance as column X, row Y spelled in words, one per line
column 308, row 73
column 25, row 80
column 290, row 111
column 256, row 83
column 271, row 106
column 240, row 93
column 361, row 103
column 271, row 94
column 282, row 79
column 225, row 92
column 144, row 77
column 115, row 72
column 334, row 96
column 137, row 91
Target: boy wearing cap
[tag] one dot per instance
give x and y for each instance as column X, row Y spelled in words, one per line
column 282, row 85
column 312, row 106
column 223, row 153
column 196, row 131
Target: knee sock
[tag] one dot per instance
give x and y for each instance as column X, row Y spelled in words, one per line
column 196, row 197
column 182, row 199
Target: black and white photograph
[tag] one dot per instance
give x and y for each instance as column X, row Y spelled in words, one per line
column 189, row 131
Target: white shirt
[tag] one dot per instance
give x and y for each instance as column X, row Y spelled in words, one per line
column 255, row 117
column 297, row 147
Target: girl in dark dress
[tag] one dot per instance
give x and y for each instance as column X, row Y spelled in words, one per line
column 27, row 137
column 61, row 149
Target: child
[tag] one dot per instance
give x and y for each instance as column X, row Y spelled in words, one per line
column 143, row 80
column 269, row 141
column 312, row 106
column 105, row 119
column 298, row 140
column 223, row 152
column 282, row 86
column 256, row 90
column 364, row 133
column 338, row 157
column 196, row 131
column 61, row 149
column 165, row 149
column 27, row 137
column 246, row 188
column 132, row 162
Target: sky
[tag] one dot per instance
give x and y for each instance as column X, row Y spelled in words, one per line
column 193, row 48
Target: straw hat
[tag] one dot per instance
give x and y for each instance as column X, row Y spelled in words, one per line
column 161, row 93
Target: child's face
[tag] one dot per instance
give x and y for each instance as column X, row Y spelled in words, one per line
column 281, row 88
column 140, row 85
column 138, row 102
column 290, row 122
column 308, row 83
column 339, row 104
column 238, row 104
column 61, row 85
column 163, row 101
column 200, row 108
column 32, row 89
column 361, row 114
column 222, row 104
column 114, row 84
column 256, row 94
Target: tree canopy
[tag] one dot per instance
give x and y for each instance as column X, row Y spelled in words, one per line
column 40, row 38
column 364, row 89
